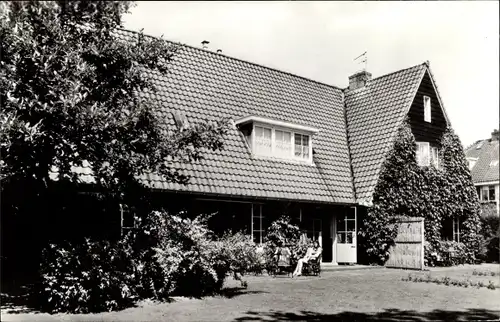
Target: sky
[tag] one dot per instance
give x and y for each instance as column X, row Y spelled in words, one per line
column 319, row 40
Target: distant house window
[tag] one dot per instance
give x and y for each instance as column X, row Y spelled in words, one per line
column 472, row 162
column 488, row 193
column 423, row 154
column 263, row 141
column 257, row 224
column 427, row 109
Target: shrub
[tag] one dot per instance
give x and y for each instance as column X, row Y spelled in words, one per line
column 491, row 235
column 166, row 255
column 445, row 253
column 85, row 277
column 282, row 233
column 242, row 255
column 185, row 253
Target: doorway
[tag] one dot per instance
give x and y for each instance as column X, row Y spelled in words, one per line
column 346, row 250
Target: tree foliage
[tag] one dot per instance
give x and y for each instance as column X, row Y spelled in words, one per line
column 72, row 93
column 406, row 189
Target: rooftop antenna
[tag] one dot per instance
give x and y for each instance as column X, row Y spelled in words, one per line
column 204, row 44
column 363, row 58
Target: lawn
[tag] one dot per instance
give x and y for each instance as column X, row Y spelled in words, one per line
column 377, row 294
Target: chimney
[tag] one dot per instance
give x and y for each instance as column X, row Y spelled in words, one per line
column 359, row 79
column 495, row 135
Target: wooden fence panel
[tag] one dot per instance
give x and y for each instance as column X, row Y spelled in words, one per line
column 408, row 251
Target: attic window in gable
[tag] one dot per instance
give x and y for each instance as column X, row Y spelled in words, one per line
column 427, row 109
column 493, row 163
column 277, row 139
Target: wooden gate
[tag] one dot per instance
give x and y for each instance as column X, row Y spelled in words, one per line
column 408, row 251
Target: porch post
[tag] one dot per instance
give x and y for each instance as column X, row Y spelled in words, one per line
column 333, row 233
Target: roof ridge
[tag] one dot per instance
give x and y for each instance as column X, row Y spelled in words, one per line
column 425, row 64
column 237, row 59
column 398, row 71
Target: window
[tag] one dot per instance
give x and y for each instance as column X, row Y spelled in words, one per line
column 491, row 192
column 313, row 228
column 257, row 224
column 472, row 162
column 493, row 163
column 435, row 157
column 488, row 193
column 127, row 218
column 274, row 138
column 263, row 140
column 283, row 143
column 346, row 228
column 450, row 229
column 423, row 158
column 456, row 229
column 427, row 109
column 302, row 146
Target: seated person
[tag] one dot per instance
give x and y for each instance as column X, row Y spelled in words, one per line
column 282, row 255
column 313, row 252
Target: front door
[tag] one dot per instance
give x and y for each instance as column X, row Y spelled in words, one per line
column 346, row 236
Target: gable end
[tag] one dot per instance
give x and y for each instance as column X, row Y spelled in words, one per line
column 427, row 131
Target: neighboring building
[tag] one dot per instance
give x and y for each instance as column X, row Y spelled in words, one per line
column 296, row 146
column 483, row 164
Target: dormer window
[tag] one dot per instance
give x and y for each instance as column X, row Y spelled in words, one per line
column 427, row 109
column 277, row 139
column 263, row 140
column 302, row 146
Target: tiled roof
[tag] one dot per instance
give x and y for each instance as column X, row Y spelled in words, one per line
column 207, row 86
column 485, row 151
column 374, row 113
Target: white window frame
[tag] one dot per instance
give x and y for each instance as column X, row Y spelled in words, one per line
column 274, row 154
column 456, row 229
column 254, row 139
column 434, row 156
column 485, row 192
column 421, row 162
column 260, row 228
column 471, row 162
column 124, row 209
column 427, row 109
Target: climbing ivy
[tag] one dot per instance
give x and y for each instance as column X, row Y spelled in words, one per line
column 406, row 189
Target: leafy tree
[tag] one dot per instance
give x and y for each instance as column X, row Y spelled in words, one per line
column 74, row 91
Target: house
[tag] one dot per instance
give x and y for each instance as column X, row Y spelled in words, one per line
column 295, row 146
column 482, row 157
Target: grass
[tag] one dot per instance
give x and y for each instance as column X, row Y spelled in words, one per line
column 375, row 295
